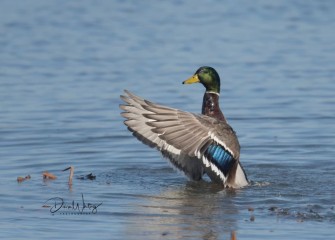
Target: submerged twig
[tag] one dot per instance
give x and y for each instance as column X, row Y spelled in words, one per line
column 71, row 173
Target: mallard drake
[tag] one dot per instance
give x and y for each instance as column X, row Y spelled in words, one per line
column 194, row 143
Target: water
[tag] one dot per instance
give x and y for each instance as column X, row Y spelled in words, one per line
column 63, row 66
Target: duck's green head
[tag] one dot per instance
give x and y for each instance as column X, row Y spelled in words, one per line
column 208, row 77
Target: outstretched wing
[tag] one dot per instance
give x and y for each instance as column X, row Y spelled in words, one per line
column 193, row 143
column 139, row 123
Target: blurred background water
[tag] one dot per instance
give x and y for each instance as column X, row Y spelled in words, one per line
column 63, row 65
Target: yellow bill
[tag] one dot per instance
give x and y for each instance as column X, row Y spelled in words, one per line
column 193, row 79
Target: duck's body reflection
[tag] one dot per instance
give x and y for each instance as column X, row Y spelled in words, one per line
column 198, row 210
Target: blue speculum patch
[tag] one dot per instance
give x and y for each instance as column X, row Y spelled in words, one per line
column 220, row 157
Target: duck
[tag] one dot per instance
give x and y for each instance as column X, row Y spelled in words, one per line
column 196, row 144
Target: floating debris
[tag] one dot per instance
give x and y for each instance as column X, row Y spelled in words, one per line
column 47, row 175
column 309, row 213
column 252, row 217
column 272, row 209
column 21, row 179
column 71, row 173
column 87, row 177
column 280, row 211
column 233, row 235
